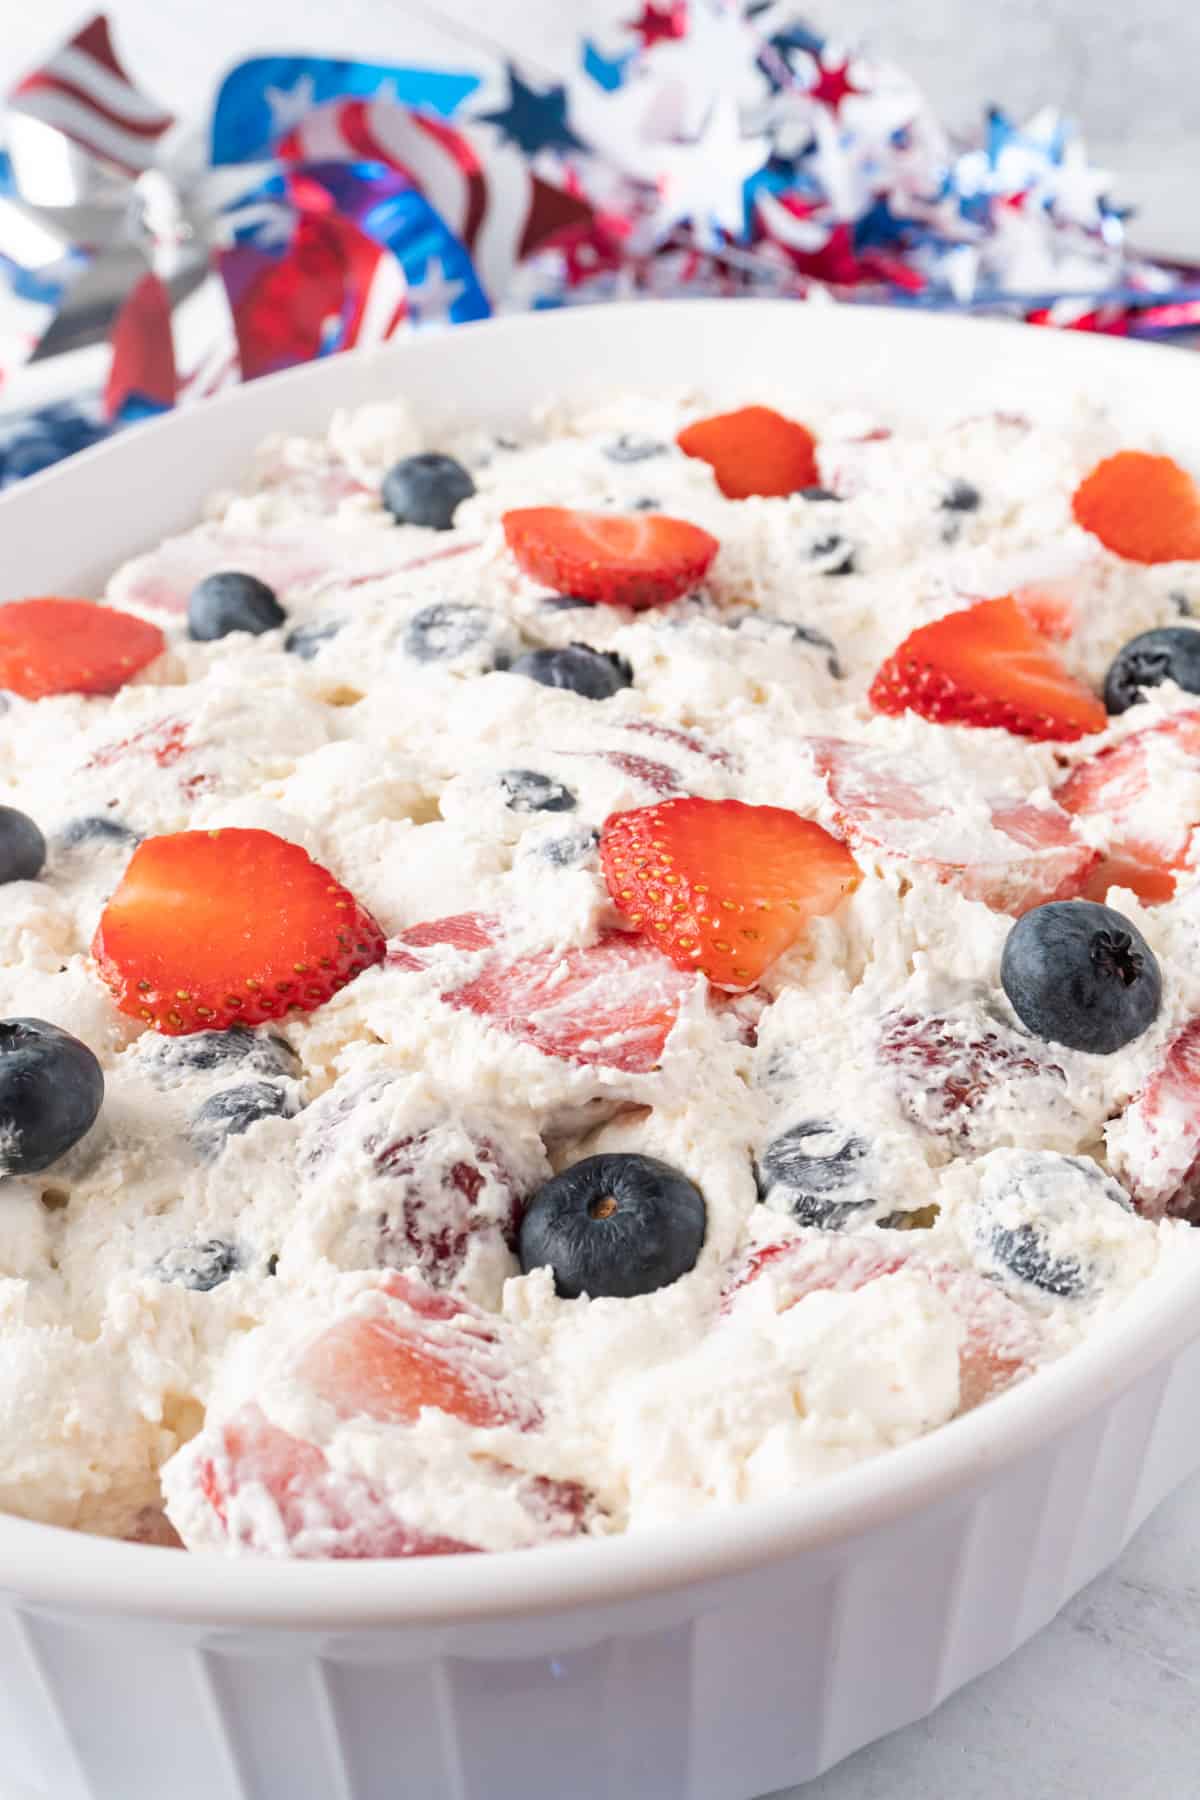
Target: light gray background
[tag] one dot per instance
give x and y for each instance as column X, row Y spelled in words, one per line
column 1104, row 1703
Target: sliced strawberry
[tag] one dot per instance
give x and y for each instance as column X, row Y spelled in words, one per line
column 611, row 1004
column 986, row 666
column 753, row 451
column 1145, row 508
column 322, row 1513
column 210, row 929
column 1123, row 789
column 1049, row 611
column 720, row 886
column 622, row 559
column 72, row 647
column 373, row 1368
column 944, row 1067
column 1155, row 1144
column 999, row 1342
column 686, row 740
column 461, row 931
column 1030, row 855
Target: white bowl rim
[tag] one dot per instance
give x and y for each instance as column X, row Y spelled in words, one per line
column 49, row 1566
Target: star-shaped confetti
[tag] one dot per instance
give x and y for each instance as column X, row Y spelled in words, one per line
column 660, row 24
column 832, row 84
column 534, row 119
column 703, row 181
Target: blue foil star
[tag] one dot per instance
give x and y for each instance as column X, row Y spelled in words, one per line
column 532, row 120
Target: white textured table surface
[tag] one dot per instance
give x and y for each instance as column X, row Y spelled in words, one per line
column 1104, row 1703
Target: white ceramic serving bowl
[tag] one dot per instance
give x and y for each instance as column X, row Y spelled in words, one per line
column 732, row 1655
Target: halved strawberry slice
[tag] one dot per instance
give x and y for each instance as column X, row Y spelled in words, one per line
column 999, row 1342
column 1127, row 791
column 622, row 559
column 1145, row 508
column 1029, row 855
column 721, row 886
column 209, row 929
column 52, row 646
column 1155, row 1144
column 1049, row 610
column 987, row 666
column 373, row 1368
column 753, row 451
column 610, row 1004
column 460, row 931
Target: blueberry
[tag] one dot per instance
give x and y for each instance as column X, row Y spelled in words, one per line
column 769, row 625
column 51, row 1088
column 960, row 497
column 1033, row 1209
column 818, row 493
column 1082, row 975
column 232, row 601
column 440, row 632
column 814, row 1172
column 834, row 553
column 527, row 792
column 1181, row 603
column 426, row 490
column 596, row 674
column 256, row 1052
column 22, row 846
column 568, row 852
column 307, row 641
column 565, row 603
column 96, row 829
column 614, row 1225
column 200, row 1267
column 645, row 503
column 627, row 449
column 1168, row 653
column 234, row 1110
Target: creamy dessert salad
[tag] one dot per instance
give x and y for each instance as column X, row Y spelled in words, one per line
column 555, row 982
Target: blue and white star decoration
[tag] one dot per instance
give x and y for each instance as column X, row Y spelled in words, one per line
column 534, row 118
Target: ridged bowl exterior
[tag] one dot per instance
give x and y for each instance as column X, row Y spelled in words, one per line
column 724, row 1660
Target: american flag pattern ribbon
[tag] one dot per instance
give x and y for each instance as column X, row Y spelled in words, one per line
column 83, row 92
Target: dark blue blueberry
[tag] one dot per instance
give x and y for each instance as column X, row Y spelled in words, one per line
column 614, row 1225
column 1022, row 1251
column 568, row 852
column 95, row 829
column 307, row 641
column 819, row 493
column 565, row 603
column 646, row 503
column 815, row 1172
column 960, row 497
column 440, row 632
column 232, row 601
column 200, row 1267
column 256, row 1052
column 527, row 791
column 234, row 1110
column 769, row 625
column 51, row 1089
column 834, row 553
column 1181, row 603
column 426, row 490
column 22, row 846
column 1168, row 653
column 596, row 674
column 1082, row 975
column 627, row 449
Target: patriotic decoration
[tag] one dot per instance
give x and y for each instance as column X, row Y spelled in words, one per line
column 706, row 147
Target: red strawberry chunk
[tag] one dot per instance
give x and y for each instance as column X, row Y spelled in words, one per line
column 209, row 929
column 611, row 1004
column 944, row 1067
column 1155, row 1144
column 1122, row 790
column 753, row 451
column 1049, row 611
column 720, row 886
column 1145, row 508
column 987, row 666
column 377, row 1369
column 999, row 1344
column 1023, row 856
column 621, row 559
column 461, row 931
column 320, row 1512
column 72, row 647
